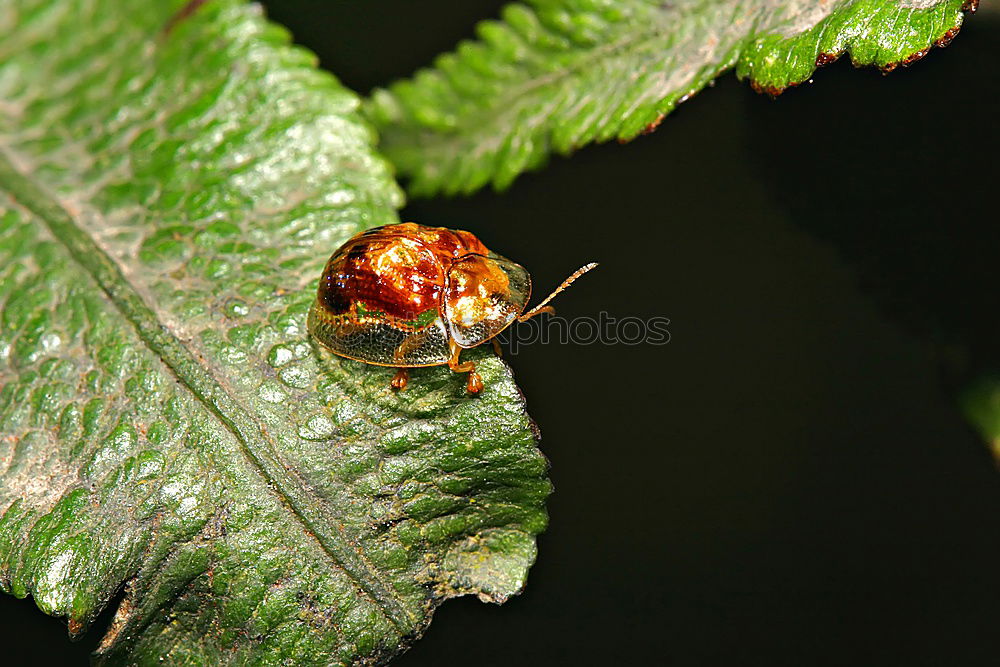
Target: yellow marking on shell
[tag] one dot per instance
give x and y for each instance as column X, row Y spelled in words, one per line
column 404, row 252
column 470, row 310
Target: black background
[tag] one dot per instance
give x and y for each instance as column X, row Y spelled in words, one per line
column 788, row 481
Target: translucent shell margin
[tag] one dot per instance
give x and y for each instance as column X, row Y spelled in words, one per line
column 483, row 296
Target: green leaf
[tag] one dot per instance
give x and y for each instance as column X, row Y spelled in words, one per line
column 555, row 75
column 167, row 427
column 980, row 401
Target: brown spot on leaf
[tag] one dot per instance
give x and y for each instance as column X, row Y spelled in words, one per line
column 75, row 627
column 655, row 124
column 914, row 57
column 536, row 432
column 182, row 14
column 824, row 59
column 941, row 42
column 945, row 39
column 970, row 6
column 768, row 89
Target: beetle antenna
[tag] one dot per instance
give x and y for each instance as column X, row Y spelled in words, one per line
column 543, row 307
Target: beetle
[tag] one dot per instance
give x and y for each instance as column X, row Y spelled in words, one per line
column 409, row 295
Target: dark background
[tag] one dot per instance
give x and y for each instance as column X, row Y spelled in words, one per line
column 788, row 481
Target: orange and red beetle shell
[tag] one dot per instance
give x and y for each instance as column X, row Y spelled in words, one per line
column 407, row 295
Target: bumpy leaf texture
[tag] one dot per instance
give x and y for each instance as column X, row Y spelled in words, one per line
column 554, row 75
column 168, row 196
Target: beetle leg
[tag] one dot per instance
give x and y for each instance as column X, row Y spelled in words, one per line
column 474, row 382
column 409, row 345
column 400, row 379
column 496, row 347
column 345, row 327
column 347, row 324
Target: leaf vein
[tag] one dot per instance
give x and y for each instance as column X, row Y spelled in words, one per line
column 196, row 378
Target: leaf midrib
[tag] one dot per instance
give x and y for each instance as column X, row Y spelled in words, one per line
column 256, row 446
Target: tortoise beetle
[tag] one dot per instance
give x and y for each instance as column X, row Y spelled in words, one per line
column 408, row 295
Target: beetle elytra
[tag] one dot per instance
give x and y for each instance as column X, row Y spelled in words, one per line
column 408, row 295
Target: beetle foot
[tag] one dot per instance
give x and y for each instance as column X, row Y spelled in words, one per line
column 400, row 379
column 474, row 383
